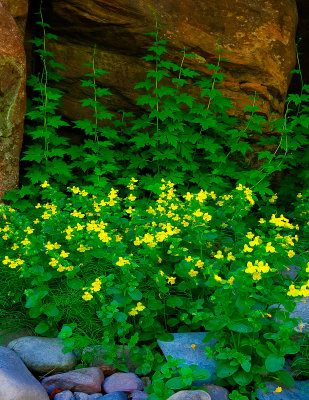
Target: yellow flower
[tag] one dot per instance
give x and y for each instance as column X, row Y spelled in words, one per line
column 193, row 346
column 231, row 280
column 122, row 262
column 278, row 390
column 162, row 273
column 240, row 187
column 189, row 258
column 262, row 221
column 25, row 241
column 192, row 272
column 140, row 307
column 199, row 264
column 45, row 184
column 133, row 312
column 269, row 248
column 198, row 213
column 250, row 235
column 230, row 257
column 291, row 253
column 217, row 278
column 219, row 254
column 247, row 249
column 171, row 280
column 160, row 260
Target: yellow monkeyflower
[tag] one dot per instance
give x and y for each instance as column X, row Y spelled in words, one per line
column 192, row 272
column 193, row 346
column 189, row 258
column 262, row 221
column 247, row 249
column 230, row 256
column 231, row 280
column 25, row 241
column 250, row 235
column 219, row 254
column 171, row 280
column 133, row 312
column 198, row 213
column 291, row 253
column 278, row 390
column 269, row 248
column 217, row 278
column 162, row 273
column 45, row 184
column 199, row 264
column 122, row 262
column 140, row 307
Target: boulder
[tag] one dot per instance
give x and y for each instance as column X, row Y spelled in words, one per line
column 12, row 99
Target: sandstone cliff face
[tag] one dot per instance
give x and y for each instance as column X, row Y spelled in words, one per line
column 12, row 98
column 259, row 43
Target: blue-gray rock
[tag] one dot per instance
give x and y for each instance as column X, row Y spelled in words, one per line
column 299, row 392
column 181, row 348
column 114, row 396
column 65, row 395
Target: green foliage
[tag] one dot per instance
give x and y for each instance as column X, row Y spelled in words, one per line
column 198, row 148
column 206, row 282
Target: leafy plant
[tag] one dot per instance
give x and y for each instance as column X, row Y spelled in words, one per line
column 204, row 247
column 217, row 274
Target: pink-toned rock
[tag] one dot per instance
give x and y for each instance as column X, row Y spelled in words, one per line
column 87, row 380
column 190, row 395
column 123, row 381
column 12, row 99
column 217, row 392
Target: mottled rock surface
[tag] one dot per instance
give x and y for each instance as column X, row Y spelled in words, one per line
column 12, row 98
column 259, row 43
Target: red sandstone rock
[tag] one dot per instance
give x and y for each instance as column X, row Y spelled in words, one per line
column 12, row 99
column 259, row 43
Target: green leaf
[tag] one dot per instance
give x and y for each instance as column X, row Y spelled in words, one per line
column 174, row 383
column 274, row 362
column 242, row 378
column 285, row 378
column 246, row 365
column 136, row 295
column 41, row 328
column 76, row 283
column 50, row 309
column 224, row 369
column 174, row 301
column 66, row 331
column 35, row 312
column 243, row 327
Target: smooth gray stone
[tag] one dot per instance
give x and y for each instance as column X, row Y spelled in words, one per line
column 181, row 348
column 299, row 392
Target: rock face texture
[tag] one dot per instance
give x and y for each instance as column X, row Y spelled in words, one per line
column 12, row 97
column 259, row 43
